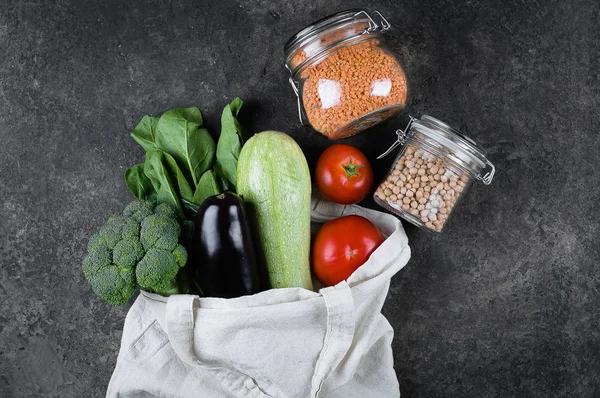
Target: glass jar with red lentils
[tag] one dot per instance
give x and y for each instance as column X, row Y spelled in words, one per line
column 431, row 173
column 344, row 76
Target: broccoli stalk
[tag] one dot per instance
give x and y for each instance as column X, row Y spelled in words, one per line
column 139, row 248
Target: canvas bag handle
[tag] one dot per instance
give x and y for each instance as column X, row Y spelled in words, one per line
column 339, row 334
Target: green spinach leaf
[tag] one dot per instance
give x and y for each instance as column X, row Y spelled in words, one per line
column 179, row 135
column 138, row 183
column 185, row 191
column 229, row 144
column 145, row 132
column 155, row 170
column 207, row 187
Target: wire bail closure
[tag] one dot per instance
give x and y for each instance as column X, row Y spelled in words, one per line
column 489, row 176
column 296, row 91
column 374, row 26
column 402, row 136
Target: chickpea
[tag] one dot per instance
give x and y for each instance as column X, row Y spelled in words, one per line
column 422, row 185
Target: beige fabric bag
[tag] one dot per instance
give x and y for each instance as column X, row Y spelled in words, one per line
column 278, row 343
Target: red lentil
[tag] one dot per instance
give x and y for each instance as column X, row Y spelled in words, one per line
column 351, row 89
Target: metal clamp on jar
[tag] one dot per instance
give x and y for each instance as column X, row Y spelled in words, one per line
column 345, row 78
column 431, row 173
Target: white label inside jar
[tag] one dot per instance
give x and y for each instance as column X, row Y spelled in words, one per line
column 381, row 88
column 330, row 93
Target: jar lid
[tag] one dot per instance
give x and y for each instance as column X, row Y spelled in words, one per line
column 335, row 21
column 457, row 146
column 464, row 147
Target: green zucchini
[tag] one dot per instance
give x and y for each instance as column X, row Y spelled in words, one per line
column 274, row 181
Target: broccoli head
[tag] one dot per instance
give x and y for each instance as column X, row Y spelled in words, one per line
column 137, row 249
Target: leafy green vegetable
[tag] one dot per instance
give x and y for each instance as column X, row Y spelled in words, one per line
column 138, row 248
column 185, row 191
column 183, row 165
column 230, row 144
column 207, row 187
column 138, row 183
column 179, row 135
column 155, row 170
column 144, row 133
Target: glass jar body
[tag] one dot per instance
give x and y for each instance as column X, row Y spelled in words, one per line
column 423, row 185
column 351, row 86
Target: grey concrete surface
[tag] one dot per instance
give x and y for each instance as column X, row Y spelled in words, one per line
column 503, row 304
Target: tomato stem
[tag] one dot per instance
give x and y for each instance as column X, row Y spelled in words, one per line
column 351, row 169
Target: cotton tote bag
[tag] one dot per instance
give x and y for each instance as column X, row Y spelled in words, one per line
column 278, row 343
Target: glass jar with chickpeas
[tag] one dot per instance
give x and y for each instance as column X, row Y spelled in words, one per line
column 431, row 173
column 344, row 75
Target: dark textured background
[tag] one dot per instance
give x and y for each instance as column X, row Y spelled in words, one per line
column 504, row 303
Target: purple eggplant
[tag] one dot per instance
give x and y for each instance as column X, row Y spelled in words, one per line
column 224, row 258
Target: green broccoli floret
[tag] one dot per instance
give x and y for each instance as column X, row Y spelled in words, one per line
column 138, row 248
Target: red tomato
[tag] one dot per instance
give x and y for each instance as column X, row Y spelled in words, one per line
column 344, row 174
column 341, row 246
